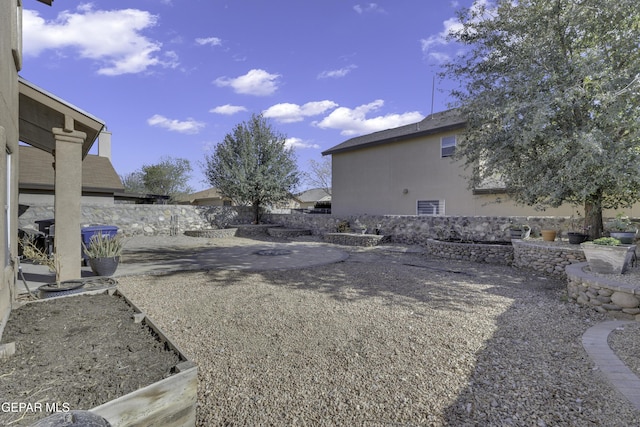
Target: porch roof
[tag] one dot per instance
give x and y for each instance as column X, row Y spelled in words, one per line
column 41, row 111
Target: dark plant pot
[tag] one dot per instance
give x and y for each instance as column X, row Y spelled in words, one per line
column 625, row 237
column 66, row 287
column 104, row 266
column 577, row 238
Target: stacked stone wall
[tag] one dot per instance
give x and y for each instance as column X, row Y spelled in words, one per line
column 146, row 219
column 603, row 294
column 550, row 258
column 486, row 253
column 417, row 230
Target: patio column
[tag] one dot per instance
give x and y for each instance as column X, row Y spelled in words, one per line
column 68, row 192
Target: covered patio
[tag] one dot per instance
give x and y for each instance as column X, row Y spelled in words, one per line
column 67, row 133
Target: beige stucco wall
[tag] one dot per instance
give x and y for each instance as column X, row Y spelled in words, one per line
column 390, row 178
column 8, row 142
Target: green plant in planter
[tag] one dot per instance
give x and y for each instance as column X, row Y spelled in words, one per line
column 104, row 246
column 607, row 241
column 620, row 223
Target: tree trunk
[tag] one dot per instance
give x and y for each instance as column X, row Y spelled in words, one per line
column 593, row 215
column 256, row 212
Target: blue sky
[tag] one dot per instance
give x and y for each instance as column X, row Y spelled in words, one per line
column 173, row 77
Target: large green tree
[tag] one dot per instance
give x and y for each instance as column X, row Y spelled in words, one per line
column 253, row 165
column 169, row 177
column 551, row 92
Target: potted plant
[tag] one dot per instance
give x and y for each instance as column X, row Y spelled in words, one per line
column 519, row 231
column 607, row 255
column 31, row 251
column 621, row 228
column 578, row 233
column 548, row 235
column 104, row 253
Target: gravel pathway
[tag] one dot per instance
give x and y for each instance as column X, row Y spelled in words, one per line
column 385, row 338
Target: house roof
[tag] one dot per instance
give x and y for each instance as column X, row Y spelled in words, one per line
column 36, row 172
column 41, row 111
column 204, row 195
column 435, row 123
column 314, row 195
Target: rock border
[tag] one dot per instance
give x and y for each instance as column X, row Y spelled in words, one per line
column 212, row 233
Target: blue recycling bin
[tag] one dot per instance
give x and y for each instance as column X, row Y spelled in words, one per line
column 88, row 232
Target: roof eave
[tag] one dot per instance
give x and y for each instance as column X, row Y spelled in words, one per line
column 398, row 138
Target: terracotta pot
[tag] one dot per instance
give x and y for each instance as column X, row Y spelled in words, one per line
column 548, row 235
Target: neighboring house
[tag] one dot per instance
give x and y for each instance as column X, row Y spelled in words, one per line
column 309, row 198
column 42, row 120
column 208, row 197
column 100, row 182
column 409, row 171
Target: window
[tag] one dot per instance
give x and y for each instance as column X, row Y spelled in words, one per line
column 16, row 35
column 448, row 146
column 430, row 207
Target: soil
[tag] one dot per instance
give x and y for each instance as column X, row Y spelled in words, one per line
column 81, row 352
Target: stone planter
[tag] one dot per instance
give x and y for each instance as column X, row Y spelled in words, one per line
column 608, row 259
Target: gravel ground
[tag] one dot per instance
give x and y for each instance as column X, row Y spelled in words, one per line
column 388, row 337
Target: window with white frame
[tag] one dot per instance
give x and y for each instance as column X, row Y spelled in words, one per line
column 16, row 34
column 447, row 146
column 430, row 207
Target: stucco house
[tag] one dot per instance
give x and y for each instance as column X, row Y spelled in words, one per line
column 208, row 197
column 409, row 171
column 309, row 198
column 42, row 120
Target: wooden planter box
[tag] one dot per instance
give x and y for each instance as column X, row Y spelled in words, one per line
column 170, row 402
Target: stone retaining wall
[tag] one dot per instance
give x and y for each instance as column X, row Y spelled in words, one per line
column 285, row 233
column 602, row 293
column 212, row 233
column 487, row 253
column 147, row 219
column 550, row 258
column 416, row 230
column 353, row 239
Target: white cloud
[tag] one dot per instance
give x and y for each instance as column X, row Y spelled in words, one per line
column 355, row 121
column 452, row 25
column 335, row 74
column 189, row 126
column 255, row 82
column 113, row 38
column 299, row 143
column 290, row 113
column 212, row 41
column 369, row 7
column 227, row 109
